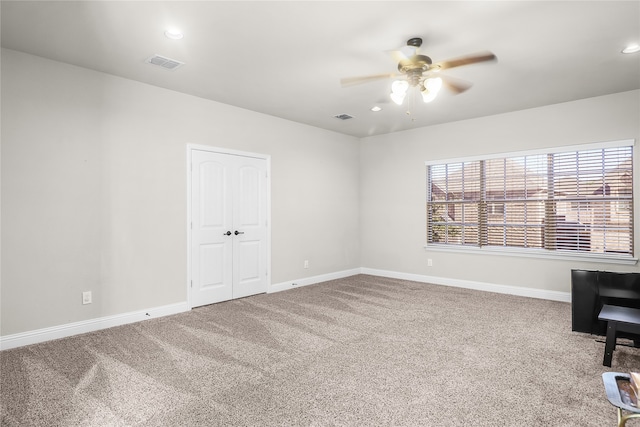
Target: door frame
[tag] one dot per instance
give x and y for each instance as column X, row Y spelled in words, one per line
column 197, row 147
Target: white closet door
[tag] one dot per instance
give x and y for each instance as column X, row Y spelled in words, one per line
column 249, row 222
column 211, row 212
column 228, row 227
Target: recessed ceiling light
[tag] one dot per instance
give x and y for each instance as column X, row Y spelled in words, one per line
column 632, row 48
column 174, row 34
column 376, row 108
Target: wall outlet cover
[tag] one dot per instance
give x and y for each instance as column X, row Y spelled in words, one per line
column 86, row 297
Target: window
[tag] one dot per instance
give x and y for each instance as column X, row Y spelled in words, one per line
column 576, row 201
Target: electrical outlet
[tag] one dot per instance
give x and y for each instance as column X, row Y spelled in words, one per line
column 86, row 297
column 306, row 263
column 430, row 262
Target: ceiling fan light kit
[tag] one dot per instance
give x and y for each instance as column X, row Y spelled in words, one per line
column 431, row 87
column 399, row 91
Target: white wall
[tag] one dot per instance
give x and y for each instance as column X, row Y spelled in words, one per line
column 393, row 187
column 94, row 192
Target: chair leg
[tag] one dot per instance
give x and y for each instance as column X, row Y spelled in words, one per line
column 622, row 419
column 610, row 344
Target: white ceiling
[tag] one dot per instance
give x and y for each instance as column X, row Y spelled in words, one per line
column 286, row 58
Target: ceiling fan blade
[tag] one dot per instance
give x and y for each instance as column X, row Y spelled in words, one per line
column 403, row 53
column 352, row 81
column 465, row 60
column 397, row 55
column 455, row 85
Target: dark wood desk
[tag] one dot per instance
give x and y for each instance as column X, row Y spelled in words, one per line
column 619, row 319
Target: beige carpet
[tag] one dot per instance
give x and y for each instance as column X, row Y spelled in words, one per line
column 363, row 351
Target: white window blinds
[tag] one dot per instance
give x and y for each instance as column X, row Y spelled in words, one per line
column 577, row 201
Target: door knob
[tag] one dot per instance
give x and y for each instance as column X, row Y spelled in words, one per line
column 228, row 233
column 238, row 232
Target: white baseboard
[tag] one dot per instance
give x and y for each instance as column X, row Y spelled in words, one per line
column 69, row 329
column 468, row 284
column 290, row 284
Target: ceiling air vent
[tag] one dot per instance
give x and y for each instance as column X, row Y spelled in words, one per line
column 343, row 116
column 164, row 62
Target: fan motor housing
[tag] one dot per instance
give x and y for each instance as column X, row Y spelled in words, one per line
column 416, row 62
column 414, row 68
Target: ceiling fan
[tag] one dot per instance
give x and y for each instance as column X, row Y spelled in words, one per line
column 419, row 71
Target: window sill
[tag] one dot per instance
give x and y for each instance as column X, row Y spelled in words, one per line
column 533, row 253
